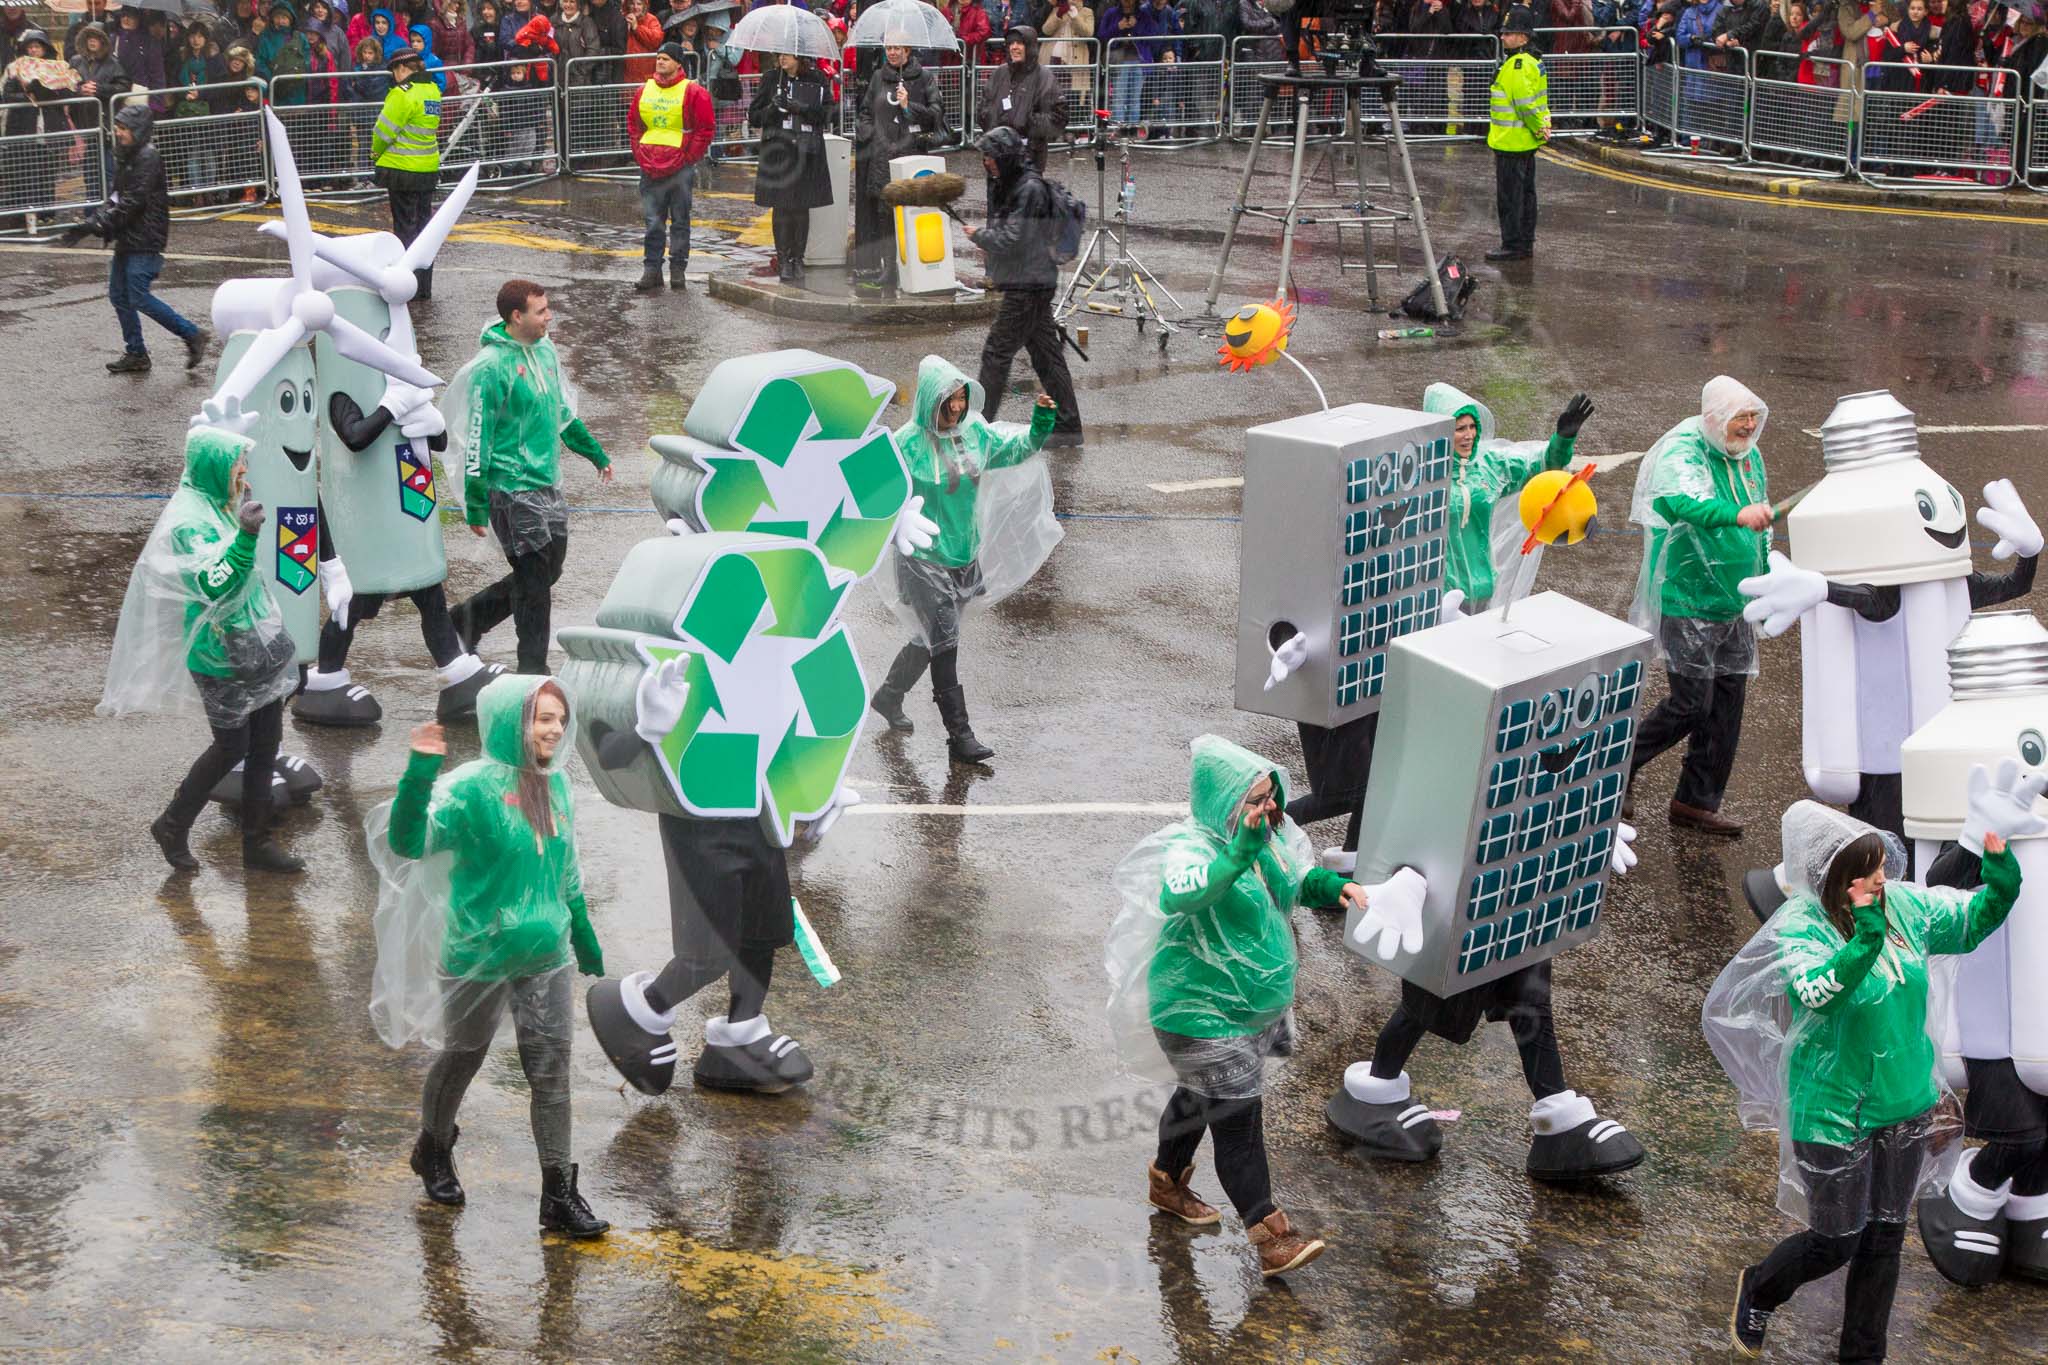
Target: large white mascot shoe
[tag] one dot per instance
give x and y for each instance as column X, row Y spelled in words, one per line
column 460, row 683
column 749, row 1056
column 1383, row 1117
column 292, row 783
column 2026, row 1237
column 633, row 1036
column 1573, row 1142
column 335, row 699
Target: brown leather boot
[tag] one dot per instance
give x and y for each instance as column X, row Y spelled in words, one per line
column 1280, row 1248
column 1176, row 1198
column 1705, row 821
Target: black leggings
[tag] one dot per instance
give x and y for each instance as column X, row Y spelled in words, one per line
column 2024, row 1163
column 253, row 744
column 945, row 670
column 751, row 971
column 1535, row 1039
column 527, row 596
column 792, row 231
column 1239, row 1127
column 1707, row 714
column 435, row 626
column 1872, row 1256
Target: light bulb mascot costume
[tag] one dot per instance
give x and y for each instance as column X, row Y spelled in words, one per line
column 1879, row 581
column 1993, row 1219
column 1821, row 1022
column 724, row 695
column 379, row 496
column 993, row 504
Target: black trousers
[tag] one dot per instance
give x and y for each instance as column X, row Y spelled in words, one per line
column 435, row 626
column 1881, row 803
column 874, row 237
column 1514, row 199
column 253, row 744
column 1535, row 1038
column 1025, row 323
column 1239, row 1127
column 1707, row 713
column 527, row 596
column 728, row 905
column 792, row 229
column 1338, row 762
column 412, row 205
column 1873, row 1260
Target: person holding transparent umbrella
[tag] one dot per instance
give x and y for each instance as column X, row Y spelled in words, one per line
column 791, row 108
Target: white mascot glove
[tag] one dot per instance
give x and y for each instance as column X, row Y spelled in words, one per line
column 1779, row 598
column 422, row 422
column 2005, row 516
column 2003, row 805
column 339, row 592
column 228, row 414
column 1624, row 857
column 820, row 827
column 1452, row 607
column 658, row 701
column 412, row 409
column 1291, row 654
column 914, row 530
column 1393, row 910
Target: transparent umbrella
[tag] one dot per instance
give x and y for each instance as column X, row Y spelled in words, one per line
column 785, row 28
column 903, row 23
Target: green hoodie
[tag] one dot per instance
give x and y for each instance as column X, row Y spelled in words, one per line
column 515, row 899
column 946, row 470
column 216, row 558
column 1701, row 554
column 1493, row 471
column 518, row 416
column 1224, row 966
column 1859, row 1056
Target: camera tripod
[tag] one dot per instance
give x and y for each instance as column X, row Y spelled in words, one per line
column 1121, row 287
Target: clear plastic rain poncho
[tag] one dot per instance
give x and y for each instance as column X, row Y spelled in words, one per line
column 475, row 892
column 1690, row 572
column 1483, row 545
column 199, row 633
column 992, row 498
column 1201, row 955
column 1827, row 1040
column 540, row 404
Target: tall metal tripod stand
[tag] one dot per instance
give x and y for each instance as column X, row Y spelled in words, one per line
column 1117, row 284
column 1360, row 212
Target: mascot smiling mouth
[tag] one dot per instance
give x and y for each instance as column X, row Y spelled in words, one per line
column 299, row 458
column 1947, row 540
column 1556, row 760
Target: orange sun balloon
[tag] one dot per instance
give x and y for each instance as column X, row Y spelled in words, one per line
column 1256, row 335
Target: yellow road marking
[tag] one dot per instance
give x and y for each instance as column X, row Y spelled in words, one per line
column 1744, row 197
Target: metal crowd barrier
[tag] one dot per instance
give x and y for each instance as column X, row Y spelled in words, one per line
column 1445, row 98
column 732, row 139
column 597, row 139
column 2037, row 146
column 516, row 137
column 1974, row 137
column 1179, row 93
column 1660, row 97
column 1589, row 87
column 1244, row 94
column 59, row 168
column 1790, row 122
column 1713, row 106
column 215, row 153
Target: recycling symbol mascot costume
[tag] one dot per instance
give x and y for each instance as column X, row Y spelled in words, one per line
column 721, row 692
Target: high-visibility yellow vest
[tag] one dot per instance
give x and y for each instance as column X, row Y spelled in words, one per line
column 404, row 138
column 1519, row 105
column 661, row 112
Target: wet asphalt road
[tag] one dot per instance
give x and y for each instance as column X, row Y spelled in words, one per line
column 205, row 1142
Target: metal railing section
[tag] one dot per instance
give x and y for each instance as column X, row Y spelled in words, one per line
column 1908, row 129
column 56, row 166
column 1177, row 95
column 211, row 139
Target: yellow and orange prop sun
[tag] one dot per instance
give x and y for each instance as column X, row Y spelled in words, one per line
column 1256, row 335
column 1557, row 506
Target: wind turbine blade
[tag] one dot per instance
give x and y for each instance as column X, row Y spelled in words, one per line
column 298, row 228
column 420, row 255
column 359, row 346
column 259, row 360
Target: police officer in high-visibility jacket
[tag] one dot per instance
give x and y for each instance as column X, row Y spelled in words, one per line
column 404, row 147
column 671, row 121
column 1520, row 123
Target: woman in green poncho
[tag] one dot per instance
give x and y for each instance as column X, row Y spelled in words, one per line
column 1488, row 475
column 497, row 921
column 995, row 528
column 1822, row 1023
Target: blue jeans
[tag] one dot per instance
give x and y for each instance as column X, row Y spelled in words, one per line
column 1127, row 88
column 665, row 207
column 128, row 280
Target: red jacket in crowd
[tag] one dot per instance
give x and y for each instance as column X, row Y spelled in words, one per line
column 645, row 37
column 660, row 163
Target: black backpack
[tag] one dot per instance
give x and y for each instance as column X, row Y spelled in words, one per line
column 1458, row 285
column 1070, row 221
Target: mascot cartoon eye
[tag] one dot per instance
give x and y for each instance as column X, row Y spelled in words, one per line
column 287, row 397
column 1384, row 470
column 2033, row 748
column 1957, row 496
column 1411, row 466
column 306, row 397
column 1586, row 701
column 1926, row 501
column 1550, row 713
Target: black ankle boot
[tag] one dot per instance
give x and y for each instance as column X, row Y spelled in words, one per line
column 434, row 1164
column 562, row 1209
column 909, row 665
column 170, row 837
column 960, row 740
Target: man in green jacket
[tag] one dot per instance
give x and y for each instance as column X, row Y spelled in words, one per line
column 510, row 410
column 1520, row 123
column 406, row 151
column 1702, row 502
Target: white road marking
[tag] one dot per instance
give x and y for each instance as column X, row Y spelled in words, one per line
column 1196, row 485
column 1049, row 808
